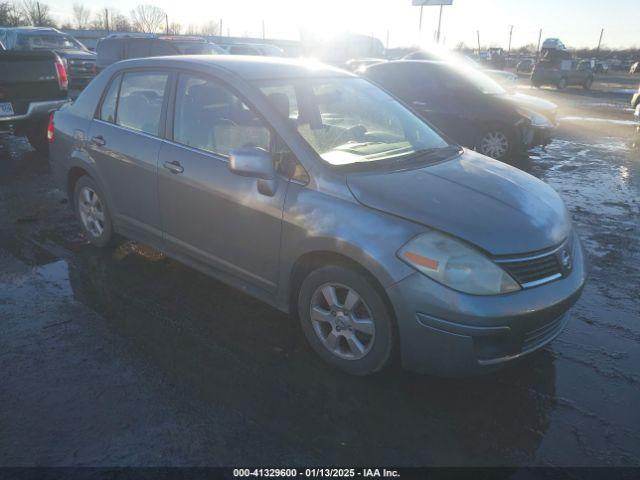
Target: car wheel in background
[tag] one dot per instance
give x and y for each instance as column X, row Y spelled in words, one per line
column 37, row 136
column 588, row 83
column 92, row 212
column 562, row 83
column 346, row 320
column 495, row 142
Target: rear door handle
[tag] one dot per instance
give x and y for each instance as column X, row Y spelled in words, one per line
column 420, row 104
column 99, row 141
column 173, row 166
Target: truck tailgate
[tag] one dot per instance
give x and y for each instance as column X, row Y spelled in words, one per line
column 28, row 77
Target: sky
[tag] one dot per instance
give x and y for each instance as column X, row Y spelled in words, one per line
column 576, row 22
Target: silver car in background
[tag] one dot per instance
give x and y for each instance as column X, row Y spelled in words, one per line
column 321, row 194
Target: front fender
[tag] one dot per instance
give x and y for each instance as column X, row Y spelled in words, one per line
column 314, row 222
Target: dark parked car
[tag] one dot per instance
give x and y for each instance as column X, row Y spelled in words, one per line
column 319, row 193
column 116, row 47
column 468, row 106
column 79, row 62
column 32, row 85
column 525, row 66
column 256, row 49
column 562, row 73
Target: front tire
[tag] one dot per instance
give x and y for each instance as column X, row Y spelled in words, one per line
column 93, row 213
column 496, row 142
column 346, row 320
column 588, row 83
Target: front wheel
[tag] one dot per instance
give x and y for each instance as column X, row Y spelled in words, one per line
column 345, row 319
column 562, row 83
column 496, row 143
column 588, row 83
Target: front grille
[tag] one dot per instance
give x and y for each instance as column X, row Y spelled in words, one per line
column 536, row 269
column 528, row 271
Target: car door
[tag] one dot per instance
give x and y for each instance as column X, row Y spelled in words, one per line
column 124, row 145
column 443, row 99
column 210, row 214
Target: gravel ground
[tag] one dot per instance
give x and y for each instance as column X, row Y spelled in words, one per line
column 128, row 358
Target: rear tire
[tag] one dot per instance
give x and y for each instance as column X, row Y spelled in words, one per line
column 37, row 136
column 562, row 84
column 588, row 83
column 346, row 320
column 92, row 212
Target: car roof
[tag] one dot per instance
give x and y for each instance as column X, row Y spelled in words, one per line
column 245, row 66
column 34, row 29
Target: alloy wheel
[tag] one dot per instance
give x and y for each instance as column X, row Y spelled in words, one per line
column 91, row 211
column 342, row 321
column 494, row 144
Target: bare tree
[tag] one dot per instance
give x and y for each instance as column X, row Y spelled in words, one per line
column 147, row 18
column 100, row 20
column 37, row 14
column 10, row 15
column 175, row 28
column 81, row 16
column 210, row 27
column 120, row 23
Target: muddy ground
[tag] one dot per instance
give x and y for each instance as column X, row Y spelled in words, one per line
column 129, row 358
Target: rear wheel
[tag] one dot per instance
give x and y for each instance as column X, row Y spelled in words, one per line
column 37, row 136
column 588, row 83
column 562, row 83
column 92, row 212
column 345, row 319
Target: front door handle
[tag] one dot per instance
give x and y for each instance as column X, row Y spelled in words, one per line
column 420, row 104
column 173, row 166
column 98, row 141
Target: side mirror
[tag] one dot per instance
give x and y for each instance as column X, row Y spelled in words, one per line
column 252, row 162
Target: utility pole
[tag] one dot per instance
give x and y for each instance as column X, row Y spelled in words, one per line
column 439, row 23
column 263, row 29
column 39, row 15
column 220, row 29
column 166, row 22
column 538, row 47
column 510, row 35
column 387, row 47
column 420, row 23
column 478, row 32
column 106, row 19
column 600, row 41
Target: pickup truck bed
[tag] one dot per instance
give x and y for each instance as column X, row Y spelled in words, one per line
column 31, row 87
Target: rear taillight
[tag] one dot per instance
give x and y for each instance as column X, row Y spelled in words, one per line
column 50, row 129
column 63, row 80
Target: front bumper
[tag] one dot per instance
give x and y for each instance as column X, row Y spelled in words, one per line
column 448, row 333
column 534, row 136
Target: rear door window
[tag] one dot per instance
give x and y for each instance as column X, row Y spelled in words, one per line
column 140, row 101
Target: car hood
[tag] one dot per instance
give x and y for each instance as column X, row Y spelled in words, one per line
column 76, row 54
column 499, row 208
column 531, row 103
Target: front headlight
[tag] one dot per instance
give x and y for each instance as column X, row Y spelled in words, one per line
column 536, row 119
column 456, row 265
